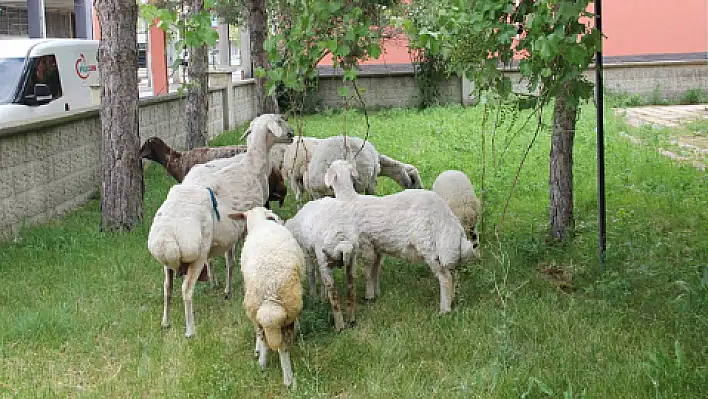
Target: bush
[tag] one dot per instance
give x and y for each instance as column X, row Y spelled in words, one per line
column 692, row 96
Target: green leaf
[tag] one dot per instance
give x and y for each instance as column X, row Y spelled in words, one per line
column 374, row 50
column 343, row 50
column 350, row 74
column 343, row 91
column 260, row 72
column 334, row 6
column 332, row 45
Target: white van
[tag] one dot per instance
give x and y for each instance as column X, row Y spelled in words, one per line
column 41, row 78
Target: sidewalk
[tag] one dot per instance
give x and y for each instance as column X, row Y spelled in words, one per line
column 663, row 115
column 685, row 144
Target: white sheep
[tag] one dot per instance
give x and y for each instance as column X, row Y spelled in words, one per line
column 239, row 186
column 412, row 225
column 456, row 189
column 406, row 175
column 243, row 184
column 357, row 151
column 272, row 264
column 329, row 239
column 296, row 159
column 180, row 238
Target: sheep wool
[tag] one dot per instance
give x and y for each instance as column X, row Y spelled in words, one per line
column 456, row 189
column 357, row 151
column 180, row 237
column 241, row 184
column 413, row 225
column 329, row 239
column 272, row 264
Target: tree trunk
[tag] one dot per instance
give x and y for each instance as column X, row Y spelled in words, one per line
column 561, row 174
column 121, row 166
column 258, row 26
column 197, row 108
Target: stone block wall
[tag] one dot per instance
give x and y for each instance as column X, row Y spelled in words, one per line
column 383, row 91
column 244, row 101
column 215, row 121
column 668, row 79
column 50, row 167
column 46, row 171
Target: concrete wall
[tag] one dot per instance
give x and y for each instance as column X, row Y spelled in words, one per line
column 50, row 167
column 667, row 79
column 382, row 91
column 670, row 79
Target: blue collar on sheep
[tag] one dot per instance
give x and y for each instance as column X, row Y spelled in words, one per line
column 213, row 204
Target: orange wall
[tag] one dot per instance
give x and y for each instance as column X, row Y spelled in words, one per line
column 631, row 27
column 635, row 27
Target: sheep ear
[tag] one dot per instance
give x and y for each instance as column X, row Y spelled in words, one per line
column 275, row 128
column 330, row 177
column 246, row 133
column 237, row 216
column 270, row 215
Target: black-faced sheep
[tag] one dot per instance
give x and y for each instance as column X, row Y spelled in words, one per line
column 179, row 163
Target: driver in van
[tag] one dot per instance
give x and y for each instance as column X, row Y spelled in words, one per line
column 46, row 72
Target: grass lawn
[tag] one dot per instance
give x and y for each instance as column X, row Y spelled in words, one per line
column 80, row 310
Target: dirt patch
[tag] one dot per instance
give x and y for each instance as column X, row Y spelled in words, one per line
column 558, row 276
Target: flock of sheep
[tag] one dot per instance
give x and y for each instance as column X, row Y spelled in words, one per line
column 223, row 196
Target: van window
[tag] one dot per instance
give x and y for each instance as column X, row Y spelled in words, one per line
column 44, row 70
column 10, row 73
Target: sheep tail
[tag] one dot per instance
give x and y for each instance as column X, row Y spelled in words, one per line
column 271, row 316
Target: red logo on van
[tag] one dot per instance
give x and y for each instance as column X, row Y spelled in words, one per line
column 83, row 68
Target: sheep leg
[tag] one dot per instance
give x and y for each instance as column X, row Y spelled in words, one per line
column 350, row 263
column 193, row 271
column 212, row 276
column 312, row 278
column 447, row 290
column 371, row 274
column 261, row 348
column 333, row 295
column 285, row 365
column 167, row 294
column 376, row 268
column 229, row 270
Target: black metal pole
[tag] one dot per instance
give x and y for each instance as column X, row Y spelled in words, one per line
column 601, row 215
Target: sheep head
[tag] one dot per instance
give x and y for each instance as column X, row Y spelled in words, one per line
column 280, row 130
column 414, row 176
column 342, row 172
column 155, row 149
column 255, row 216
column 276, row 186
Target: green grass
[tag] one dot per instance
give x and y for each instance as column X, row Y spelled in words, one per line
column 80, row 310
column 698, row 127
